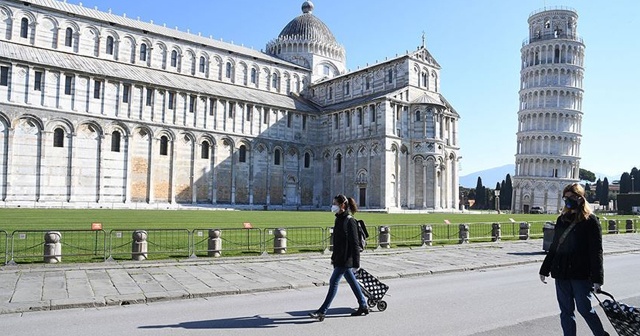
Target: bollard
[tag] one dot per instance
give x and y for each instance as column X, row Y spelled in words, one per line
column 52, row 247
column 613, row 226
column 384, row 237
column 496, row 232
column 525, row 231
column 548, row 231
column 629, row 226
column 280, row 241
column 427, row 235
column 139, row 245
column 464, row 233
column 214, row 248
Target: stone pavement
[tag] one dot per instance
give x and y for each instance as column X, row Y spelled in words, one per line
column 49, row 287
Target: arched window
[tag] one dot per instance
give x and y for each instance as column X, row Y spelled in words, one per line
column 164, row 145
column 109, row 47
column 24, row 28
column 425, row 78
column 174, row 58
column 202, row 64
column 204, row 152
column 242, row 154
column 253, row 76
column 417, row 115
column 228, row 72
column 307, row 160
column 276, row 157
column 339, row 163
column 115, row 141
column 68, row 37
column 58, row 137
column 274, row 81
column 143, row 52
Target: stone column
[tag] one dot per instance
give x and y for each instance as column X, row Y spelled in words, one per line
column 427, row 235
column 215, row 243
column 52, row 247
column 496, row 232
column 139, row 245
column 463, row 233
column 280, row 241
column 525, row 230
column 384, row 237
column 613, row 226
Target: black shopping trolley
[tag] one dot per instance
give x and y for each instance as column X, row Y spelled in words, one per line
column 373, row 289
column 625, row 319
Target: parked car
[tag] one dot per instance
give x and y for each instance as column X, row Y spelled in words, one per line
column 536, row 210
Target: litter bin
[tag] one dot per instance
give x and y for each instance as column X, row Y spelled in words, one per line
column 548, row 231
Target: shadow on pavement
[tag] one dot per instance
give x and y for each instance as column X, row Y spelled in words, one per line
column 252, row 322
column 528, row 253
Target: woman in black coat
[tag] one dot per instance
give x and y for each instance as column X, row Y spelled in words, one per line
column 345, row 257
column 575, row 261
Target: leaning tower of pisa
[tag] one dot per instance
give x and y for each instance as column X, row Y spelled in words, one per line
column 550, row 114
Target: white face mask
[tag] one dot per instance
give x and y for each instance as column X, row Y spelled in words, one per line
column 335, row 208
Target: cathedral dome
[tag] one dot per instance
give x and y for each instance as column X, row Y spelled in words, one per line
column 307, row 27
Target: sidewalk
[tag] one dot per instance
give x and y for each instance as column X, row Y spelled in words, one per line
column 49, row 287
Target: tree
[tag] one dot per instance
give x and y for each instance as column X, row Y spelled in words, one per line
column 635, row 179
column 506, row 193
column 604, row 194
column 588, row 192
column 481, row 195
column 586, row 175
column 625, row 183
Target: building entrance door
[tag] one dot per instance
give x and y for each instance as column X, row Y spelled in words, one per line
column 363, row 197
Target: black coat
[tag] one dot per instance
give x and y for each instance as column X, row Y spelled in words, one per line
column 345, row 242
column 580, row 255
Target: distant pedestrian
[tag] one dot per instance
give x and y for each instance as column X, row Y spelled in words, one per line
column 345, row 257
column 575, row 261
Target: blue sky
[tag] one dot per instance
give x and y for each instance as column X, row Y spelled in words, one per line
column 477, row 43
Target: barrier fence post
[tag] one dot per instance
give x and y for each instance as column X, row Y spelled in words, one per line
column 613, row 226
column 280, row 241
column 496, row 232
column 525, row 231
column 139, row 245
column 52, row 247
column 463, row 233
column 629, row 225
column 427, row 235
column 214, row 248
column 384, row 237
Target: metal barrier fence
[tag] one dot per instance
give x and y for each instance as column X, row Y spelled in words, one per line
column 236, row 241
column 26, row 246
column 161, row 243
column 4, row 246
column 303, row 239
column 29, row 245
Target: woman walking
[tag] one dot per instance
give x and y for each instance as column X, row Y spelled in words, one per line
column 575, row 261
column 345, row 257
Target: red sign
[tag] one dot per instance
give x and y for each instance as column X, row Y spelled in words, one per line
column 247, row 225
column 96, row 226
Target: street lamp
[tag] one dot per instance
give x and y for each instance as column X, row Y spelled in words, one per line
column 497, row 193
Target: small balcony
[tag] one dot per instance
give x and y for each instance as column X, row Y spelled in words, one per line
column 553, row 36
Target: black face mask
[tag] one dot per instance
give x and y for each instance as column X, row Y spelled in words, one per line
column 570, row 203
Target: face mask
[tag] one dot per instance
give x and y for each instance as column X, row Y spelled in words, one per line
column 570, row 203
column 335, row 208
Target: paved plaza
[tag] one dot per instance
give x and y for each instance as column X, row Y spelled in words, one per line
column 39, row 287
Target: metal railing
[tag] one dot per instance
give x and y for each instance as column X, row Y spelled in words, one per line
column 161, row 243
column 4, row 246
column 233, row 240
column 28, row 245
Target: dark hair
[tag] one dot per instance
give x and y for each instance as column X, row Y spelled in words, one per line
column 584, row 210
column 351, row 203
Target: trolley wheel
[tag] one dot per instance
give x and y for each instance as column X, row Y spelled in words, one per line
column 371, row 303
column 382, row 305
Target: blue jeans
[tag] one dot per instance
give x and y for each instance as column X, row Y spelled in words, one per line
column 338, row 273
column 574, row 294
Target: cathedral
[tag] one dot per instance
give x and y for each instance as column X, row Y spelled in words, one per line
column 103, row 111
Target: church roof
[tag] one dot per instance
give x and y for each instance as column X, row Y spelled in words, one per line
column 429, row 99
column 307, row 27
column 125, row 72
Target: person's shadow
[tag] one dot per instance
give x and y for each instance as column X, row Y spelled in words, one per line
column 252, row 322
